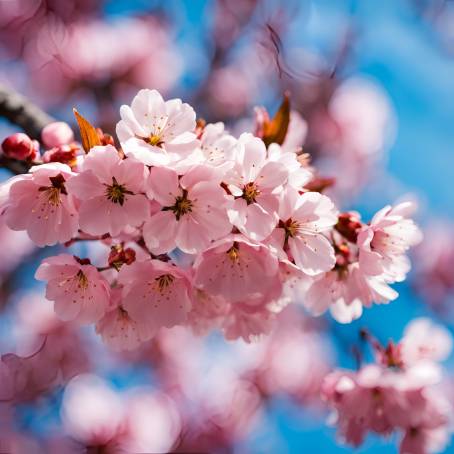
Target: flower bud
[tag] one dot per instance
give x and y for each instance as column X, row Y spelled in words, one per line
column 65, row 154
column 348, row 226
column 56, row 134
column 106, row 139
column 119, row 256
column 20, row 146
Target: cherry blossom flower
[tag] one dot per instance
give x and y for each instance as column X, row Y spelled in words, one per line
column 425, row 341
column 155, row 294
column 298, row 175
column 157, row 132
column 39, row 203
column 194, row 210
column 390, row 395
column 283, row 363
column 255, row 182
column 237, row 270
column 345, row 291
column 382, row 244
column 92, row 412
column 304, row 218
column 110, row 192
column 248, row 322
column 77, row 288
column 217, row 146
column 118, row 330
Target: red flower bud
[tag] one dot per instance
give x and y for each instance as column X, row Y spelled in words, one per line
column 348, row 226
column 119, row 256
column 65, row 154
column 20, row 146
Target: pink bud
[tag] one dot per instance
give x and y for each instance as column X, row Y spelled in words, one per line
column 20, row 146
column 56, row 134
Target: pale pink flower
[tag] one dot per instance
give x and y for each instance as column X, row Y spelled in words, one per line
column 217, row 146
column 304, row 218
column 284, row 363
column 384, row 242
column 39, row 203
column 298, row 175
column 109, row 189
column 433, row 259
column 345, row 291
column 425, row 341
column 78, row 290
column 118, row 330
column 56, row 134
column 255, row 182
column 333, row 291
column 157, row 132
column 92, row 412
column 194, row 210
column 247, row 321
column 430, row 426
column 237, row 270
column 145, row 411
column 207, row 313
column 155, row 294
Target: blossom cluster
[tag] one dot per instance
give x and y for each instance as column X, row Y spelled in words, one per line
column 205, row 229
column 401, row 392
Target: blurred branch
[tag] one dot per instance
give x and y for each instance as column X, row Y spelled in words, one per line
column 13, row 165
column 21, row 112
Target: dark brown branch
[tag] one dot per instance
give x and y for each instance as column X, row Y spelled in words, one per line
column 13, row 165
column 21, row 112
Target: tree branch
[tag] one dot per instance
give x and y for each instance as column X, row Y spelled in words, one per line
column 21, row 112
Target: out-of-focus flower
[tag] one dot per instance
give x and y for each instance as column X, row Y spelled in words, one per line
column 433, row 278
column 398, row 393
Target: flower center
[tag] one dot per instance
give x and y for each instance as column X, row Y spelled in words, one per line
column 116, row 192
column 291, row 228
column 164, row 281
column 83, row 281
column 182, row 205
column 53, row 192
column 154, row 140
column 234, row 253
column 250, row 192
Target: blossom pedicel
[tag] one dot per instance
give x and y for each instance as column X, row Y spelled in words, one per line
column 220, row 232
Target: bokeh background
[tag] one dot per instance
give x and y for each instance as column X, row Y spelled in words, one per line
column 373, row 80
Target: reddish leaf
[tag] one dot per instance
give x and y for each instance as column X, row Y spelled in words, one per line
column 275, row 130
column 88, row 133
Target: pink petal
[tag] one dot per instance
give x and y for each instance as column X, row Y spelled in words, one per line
column 314, row 254
column 163, row 186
